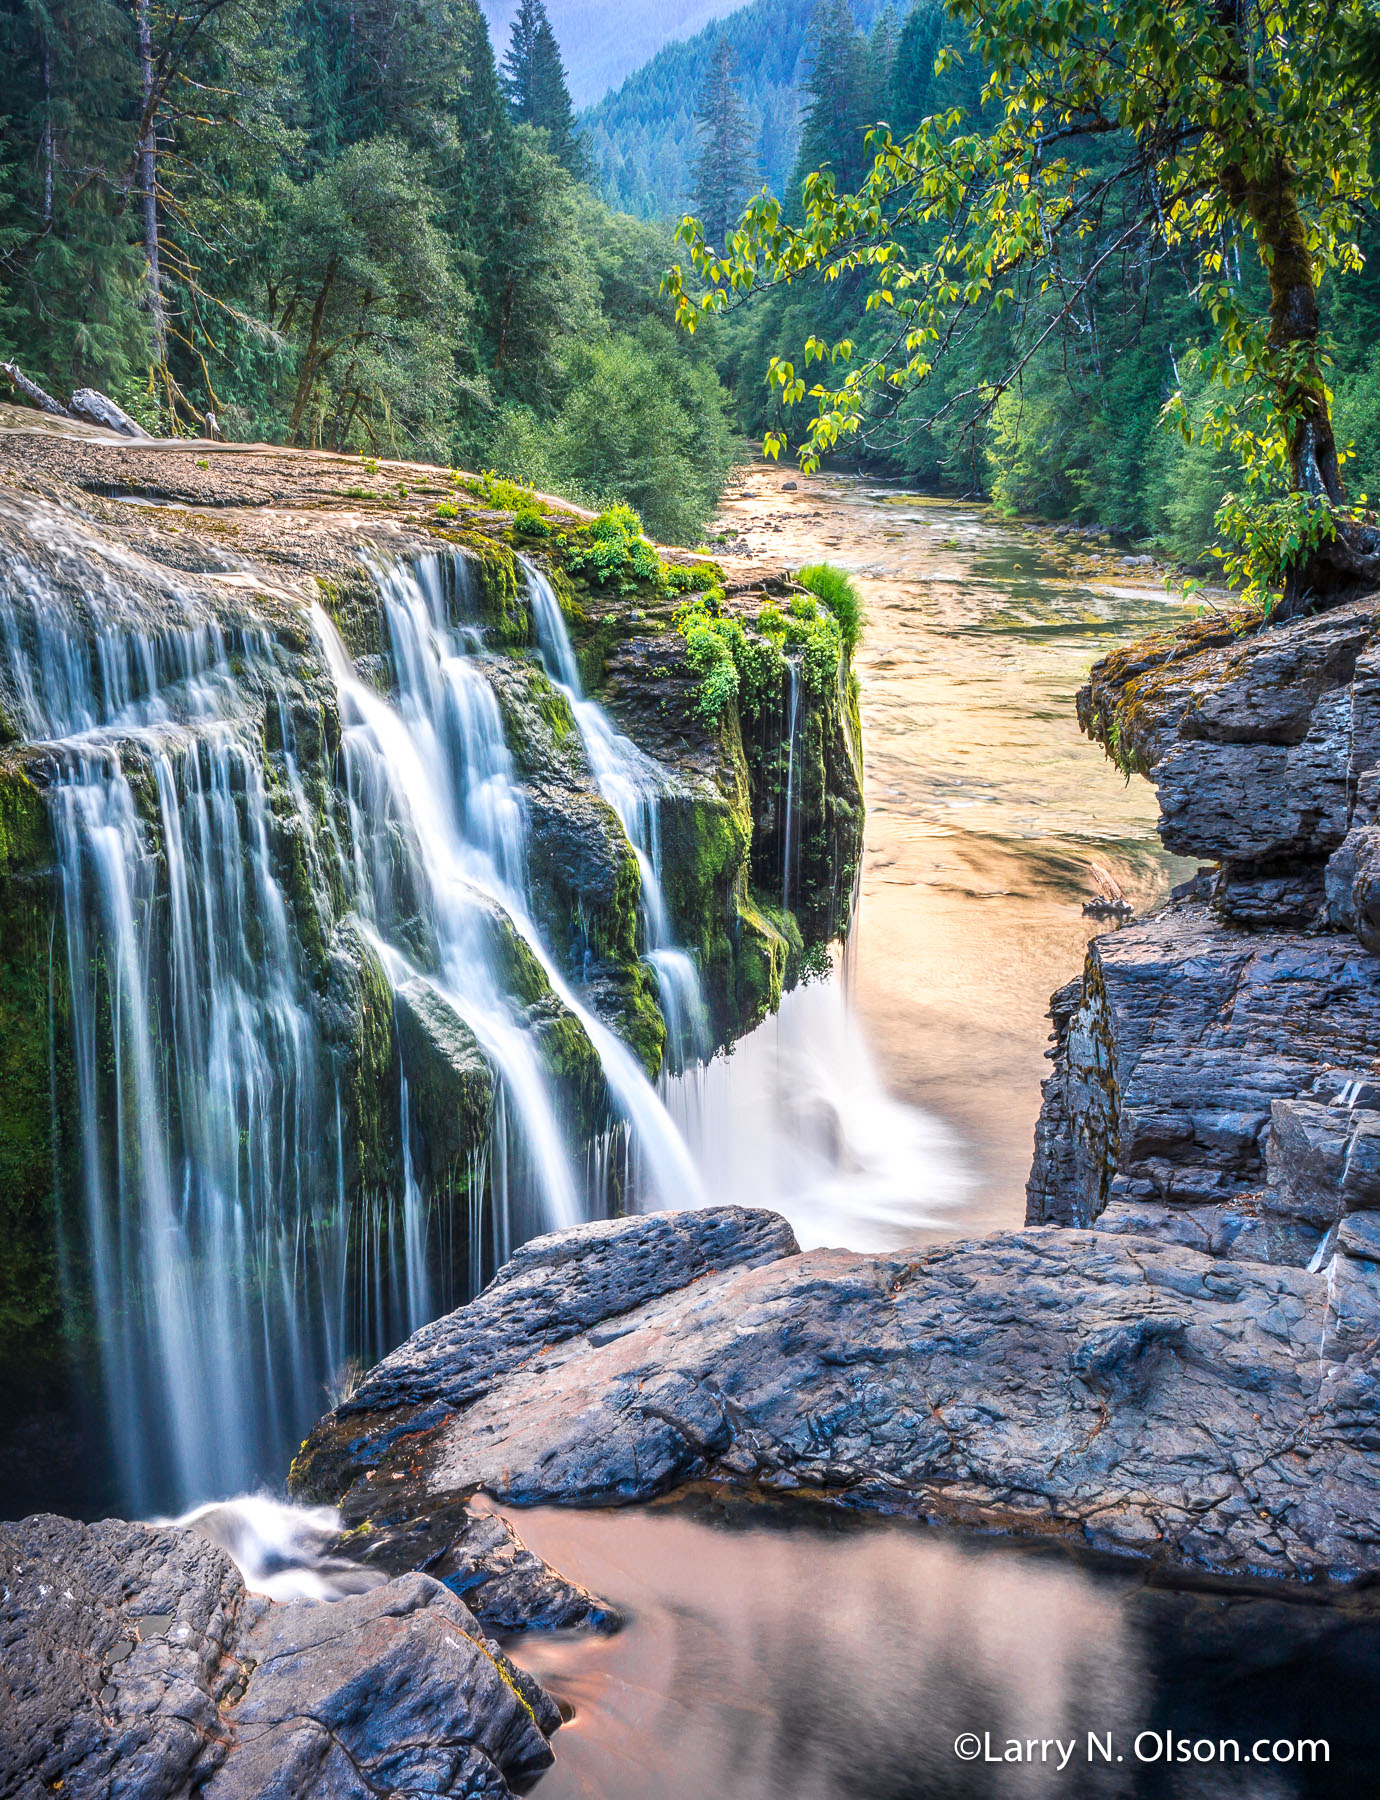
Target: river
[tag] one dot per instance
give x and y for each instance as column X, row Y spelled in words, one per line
column 776, row 1658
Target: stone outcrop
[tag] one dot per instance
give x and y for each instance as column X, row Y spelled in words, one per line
column 1212, row 1077
column 1137, row 1397
column 133, row 1661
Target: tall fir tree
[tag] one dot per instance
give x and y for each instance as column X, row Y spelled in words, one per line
column 534, row 81
column 725, row 169
column 840, row 98
column 912, row 73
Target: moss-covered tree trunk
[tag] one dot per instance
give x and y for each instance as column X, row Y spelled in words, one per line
column 1327, row 573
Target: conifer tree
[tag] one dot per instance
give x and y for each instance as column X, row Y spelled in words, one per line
column 840, row 98
column 912, row 74
column 534, row 81
column 725, row 169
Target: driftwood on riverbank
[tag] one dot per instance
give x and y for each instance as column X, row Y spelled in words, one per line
column 88, row 405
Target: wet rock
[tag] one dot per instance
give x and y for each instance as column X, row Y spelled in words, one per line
column 450, row 1085
column 134, row 1662
column 1172, row 1051
column 553, row 1289
column 482, row 1560
column 1139, row 1396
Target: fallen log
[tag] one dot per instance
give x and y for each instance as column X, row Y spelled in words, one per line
column 31, row 391
column 95, row 408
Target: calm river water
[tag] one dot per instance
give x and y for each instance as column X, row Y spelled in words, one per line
column 775, row 1658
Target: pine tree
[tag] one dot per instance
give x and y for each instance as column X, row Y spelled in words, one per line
column 534, row 81
column 912, row 74
column 840, row 98
column 726, row 166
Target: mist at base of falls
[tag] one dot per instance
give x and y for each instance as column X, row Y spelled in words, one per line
column 796, row 1118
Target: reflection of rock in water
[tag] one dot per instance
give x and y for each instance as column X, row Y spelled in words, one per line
column 804, row 1662
column 797, row 1118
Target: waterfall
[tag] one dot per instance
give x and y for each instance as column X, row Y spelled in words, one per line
column 222, row 891
column 196, row 1059
column 232, row 1272
column 633, row 784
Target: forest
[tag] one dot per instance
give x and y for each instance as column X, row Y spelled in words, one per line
column 365, row 228
column 348, row 226
column 1053, row 405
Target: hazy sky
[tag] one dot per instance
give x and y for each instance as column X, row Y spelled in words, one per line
column 604, row 40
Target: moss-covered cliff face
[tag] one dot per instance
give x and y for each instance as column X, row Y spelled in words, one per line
column 36, row 1164
column 213, row 567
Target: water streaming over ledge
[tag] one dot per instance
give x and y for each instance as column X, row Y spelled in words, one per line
column 236, row 1267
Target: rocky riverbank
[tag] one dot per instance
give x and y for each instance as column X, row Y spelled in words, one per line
column 134, row 1661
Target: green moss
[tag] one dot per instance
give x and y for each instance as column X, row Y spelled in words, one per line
column 374, row 1072
column 36, row 1073
column 352, row 604
column 764, row 952
column 500, row 591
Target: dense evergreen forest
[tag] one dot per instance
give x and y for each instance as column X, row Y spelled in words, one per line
column 1050, row 406
column 604, row 41
column 644, row 137
column 341, row 224
column 356, row 227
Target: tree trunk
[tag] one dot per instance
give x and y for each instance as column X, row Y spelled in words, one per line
column 32, row 392
column 1273, row 208
column 1349, row 562
column 148, row 189
column 308, row 370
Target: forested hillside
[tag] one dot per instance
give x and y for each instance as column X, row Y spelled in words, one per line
column 643, row 137
column 603, row 41
column 1049, row 402
column 339, row 224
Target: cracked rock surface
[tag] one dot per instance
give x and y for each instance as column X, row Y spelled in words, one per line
column 1138, row 1396
column 134, row 1663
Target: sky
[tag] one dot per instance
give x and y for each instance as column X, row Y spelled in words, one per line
column 604, row 40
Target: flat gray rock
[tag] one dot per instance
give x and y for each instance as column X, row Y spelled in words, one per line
column 1136, row 1396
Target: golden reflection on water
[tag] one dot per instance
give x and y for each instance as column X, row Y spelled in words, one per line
column 771, row 1664
column 985, row 803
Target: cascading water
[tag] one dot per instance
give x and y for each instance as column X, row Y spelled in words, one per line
column 232, row 1275
column 237, row 1261
column 471, row 842
column 633, row 784
column 198, row 1078
column 795, row 1117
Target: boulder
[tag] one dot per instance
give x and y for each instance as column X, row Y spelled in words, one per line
column 1137, row 1396
column 134, row 1662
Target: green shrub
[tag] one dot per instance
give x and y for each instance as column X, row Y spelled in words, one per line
column 447, row 509
column 528, row 522
column 612, row 548
column 836, row 589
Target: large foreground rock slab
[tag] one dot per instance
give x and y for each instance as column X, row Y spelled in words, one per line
column 134, row 1663
column 1136, row 1396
